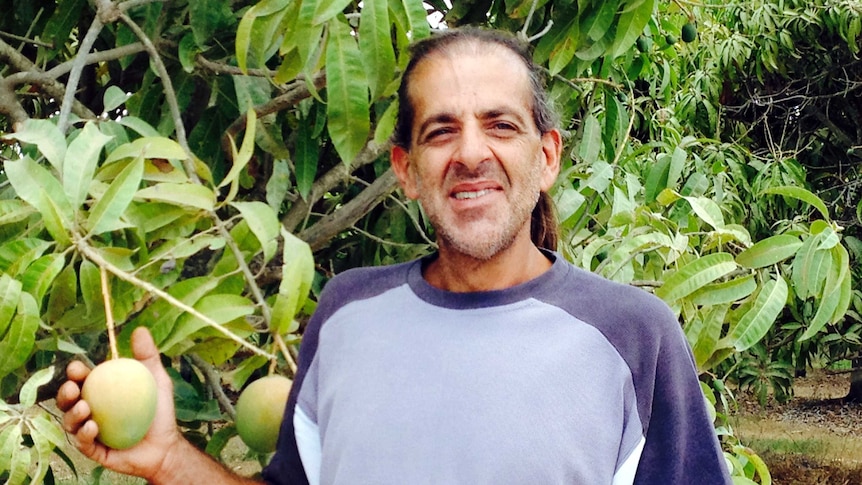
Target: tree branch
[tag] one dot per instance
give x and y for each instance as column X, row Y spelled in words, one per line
column 289, row 99
column 214, row 382
column 52, row 87
column 170, row 94
column 299, row 211
column 322, row 232
column 10, row 105
column 78, row 66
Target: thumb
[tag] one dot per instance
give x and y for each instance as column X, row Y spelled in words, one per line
column 144, row 349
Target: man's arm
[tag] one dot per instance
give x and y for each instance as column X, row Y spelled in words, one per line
column 681, row 444
column 163, row 457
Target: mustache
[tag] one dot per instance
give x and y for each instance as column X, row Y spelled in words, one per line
column 489, row 170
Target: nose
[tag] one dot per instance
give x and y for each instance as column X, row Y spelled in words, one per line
column 473, row 146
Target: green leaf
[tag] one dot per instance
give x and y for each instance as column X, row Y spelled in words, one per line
column 188, row 195
column 591, row 142
column 724, row 292
column 707, row 210
column 221, row 308
column 347, row 92
column 630, row 26
column 187, row 52
column 40, row 275
column 595, row 24
column 219, row 440
column 297, row 274
column 278, row 183
column 769, row 251
column 375, row 45
column 46, row 435
column 10, row 292
column 10, row 449
column 418, row 19
column 695, row 275
column 207, row 18
column 149, row 148
column 327, row 9
column 802, row 194
column 82, row 157
column 27, row 396
column 17, row 345
column 180, row 248
column 114, row 98
column 105, row 215
column 759, row 318
column 834, row 302
column 18, row 254
column 139, row 126
column 704, row 337
column 161, row 317
column 656, row 182
column 66, row 16
column 36, row 186
column 263, row 222
column 308, row 37
column 47, row 137
column 89, row 280
column 14, row 210
column 564, row 51
column 306, row 159
column 241, row 157
column 677, row 164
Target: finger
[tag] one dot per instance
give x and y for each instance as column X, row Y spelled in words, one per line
column 145, row 350
column 85, row 440
column 76, row 417
column 67, row 395
column 143, row 345
column 77, row 371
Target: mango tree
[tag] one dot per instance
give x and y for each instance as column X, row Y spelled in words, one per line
column 201, row 167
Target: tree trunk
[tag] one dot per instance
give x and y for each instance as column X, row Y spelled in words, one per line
column 855, row 393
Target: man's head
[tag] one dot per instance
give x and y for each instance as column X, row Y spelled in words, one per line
column 544, row 115
column 476, row 142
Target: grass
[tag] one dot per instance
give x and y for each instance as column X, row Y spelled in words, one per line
column 789, row 446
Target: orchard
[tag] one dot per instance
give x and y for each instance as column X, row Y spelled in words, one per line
column 202, row 168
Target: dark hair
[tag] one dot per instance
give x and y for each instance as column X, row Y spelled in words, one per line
column 544, row 229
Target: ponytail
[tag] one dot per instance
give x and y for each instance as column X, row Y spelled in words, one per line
column 544, row 228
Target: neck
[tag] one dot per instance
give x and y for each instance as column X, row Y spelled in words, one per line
column 456, row 272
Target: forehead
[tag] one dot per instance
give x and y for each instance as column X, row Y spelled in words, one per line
column 469, row 79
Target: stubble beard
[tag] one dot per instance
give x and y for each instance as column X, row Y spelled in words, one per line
column 487, row 234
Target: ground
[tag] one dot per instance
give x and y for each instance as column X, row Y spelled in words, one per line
column 816, row 438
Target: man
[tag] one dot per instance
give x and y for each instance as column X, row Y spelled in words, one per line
column 493, row 361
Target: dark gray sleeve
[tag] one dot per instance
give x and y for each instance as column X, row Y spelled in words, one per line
column 681, row 444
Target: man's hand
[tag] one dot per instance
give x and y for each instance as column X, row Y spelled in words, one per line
column 152, row 455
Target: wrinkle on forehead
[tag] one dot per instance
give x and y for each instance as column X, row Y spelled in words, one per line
column 451, row 60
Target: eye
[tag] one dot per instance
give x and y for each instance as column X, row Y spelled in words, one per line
column 504, row 128
column 438, row 134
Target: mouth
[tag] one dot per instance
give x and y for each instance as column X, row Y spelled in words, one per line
column 471, row 194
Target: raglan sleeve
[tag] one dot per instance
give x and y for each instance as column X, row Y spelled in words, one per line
column 681, row 446
column 297, row 430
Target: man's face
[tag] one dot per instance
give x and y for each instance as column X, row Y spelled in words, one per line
column 477, row 162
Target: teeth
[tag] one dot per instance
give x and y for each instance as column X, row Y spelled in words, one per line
column 472, row 195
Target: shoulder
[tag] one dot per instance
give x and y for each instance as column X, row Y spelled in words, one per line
column 359, row 284
column 601, row 302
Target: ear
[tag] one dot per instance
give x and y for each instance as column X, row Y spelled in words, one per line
column 552, row 148
column 400, row 159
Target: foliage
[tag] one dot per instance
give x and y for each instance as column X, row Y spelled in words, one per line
column 213, row 162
